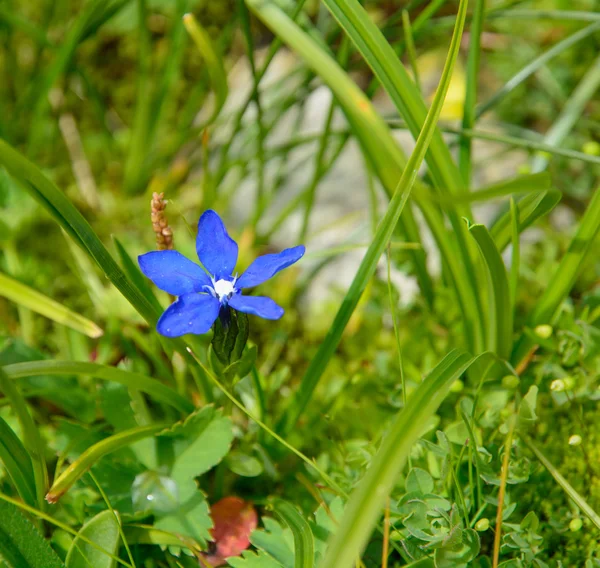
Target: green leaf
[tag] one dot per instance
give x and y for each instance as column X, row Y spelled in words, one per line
column 458, row 554
column 419, row 480
column 103, row 530
column 253, row 560
column 90, row 456
column 366, row 501
column 130, row 379
column 528, row 404
column 17, row 462
column 191, row 519
column 29, row 298
column 243, row 464
column 21, row 545
column 201, row 441
column 304, row 546
column 275, row 541
column 500, row 317
column 382, row 238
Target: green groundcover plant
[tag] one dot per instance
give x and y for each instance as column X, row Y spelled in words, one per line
column 160, row 414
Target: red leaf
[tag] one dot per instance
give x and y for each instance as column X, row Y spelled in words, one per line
column 234, row 519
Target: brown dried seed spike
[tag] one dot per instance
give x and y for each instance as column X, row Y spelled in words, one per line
column 160, row 224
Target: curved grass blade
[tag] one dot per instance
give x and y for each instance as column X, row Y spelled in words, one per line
column 71, row 220
column 384, row 233
column 103, row 530
column 21, row 545
column 374, row 136
column 88, row 458
column 381, row 58
column 561, row 283
column 535, row 65
column 367, row 500
column 530, row 209
column 214, row 65
column 130, row 379
column 500, row 318
column 31, row 436
column 564, row 484
column 35, row 301
column 304, row 545
column 17, row 463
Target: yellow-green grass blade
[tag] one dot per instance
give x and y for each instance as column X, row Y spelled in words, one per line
column 90, row 456
column 367, row 500
column 382, row 238
column 500, row 317
column 27, row 297
column 130, row 379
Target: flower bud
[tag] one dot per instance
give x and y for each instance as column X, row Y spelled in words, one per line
column 544, row 331
column 510, row 382
column 575, row 525
column 482, row 525
column 558, row 385
column 575, row 440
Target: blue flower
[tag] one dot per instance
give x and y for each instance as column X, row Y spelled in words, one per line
column 202, row 296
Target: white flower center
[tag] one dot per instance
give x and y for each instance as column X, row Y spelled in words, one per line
column 223, row 289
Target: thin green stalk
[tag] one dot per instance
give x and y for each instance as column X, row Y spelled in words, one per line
column 386, row 228
column 570, row 113
column 464, row 156
column 410, row 48
column 535, row 65
column 25, row 315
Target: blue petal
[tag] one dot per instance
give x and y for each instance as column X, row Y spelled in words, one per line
column 192, row 313
column 264, row 267
column 173, row 272
column 217, row 251
column 256, row 305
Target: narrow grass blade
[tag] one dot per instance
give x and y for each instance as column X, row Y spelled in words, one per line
column 516, row 254
column 530, row 209
column 379, row 55
column 561, row 283
column 21, row 545
column 410, row 48
column 88, row 458
column 570, row 113
column 135, row 174
column 67, row 216
column 465, row 161
column 103, row 530
column 500, row 317
column 31, row 436
column 134, row 274
column 535, row 65
column 17, row 463
column 384, row 233
column 214, row 65
column 130, row 379
column 381, row 58
column 304, row 545
column 564, row 484
column 367, row 500
column 374, row 136
column 29, row 298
